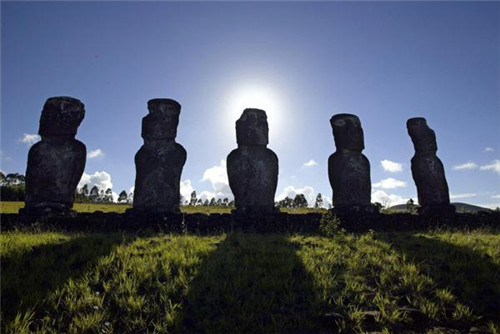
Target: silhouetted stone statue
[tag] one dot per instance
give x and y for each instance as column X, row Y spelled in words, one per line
column 252, row 168
column 56, row 163
column 428, row 170
column 348, row 168
column 160, row 160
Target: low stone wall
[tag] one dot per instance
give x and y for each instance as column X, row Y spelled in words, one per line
column 219, row 223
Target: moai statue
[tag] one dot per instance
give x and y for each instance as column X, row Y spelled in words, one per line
column 348, row 168
column 56, row 163
column 160, row 160
column 428, row 170
column 252, row 168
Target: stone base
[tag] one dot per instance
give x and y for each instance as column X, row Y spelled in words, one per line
column 355, row 210
column 48, row 209
column 257, row 220
column 256, row 210
column 437, row 210
column 156, row 214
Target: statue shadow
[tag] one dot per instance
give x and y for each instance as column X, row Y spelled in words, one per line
column 253, row 283
column 472, row 277
column 30, row 277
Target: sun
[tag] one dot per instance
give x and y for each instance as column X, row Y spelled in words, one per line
column 256, row 96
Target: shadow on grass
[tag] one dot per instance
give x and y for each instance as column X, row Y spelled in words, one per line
column 30, row 277
column 252, row 283
column 472, row 277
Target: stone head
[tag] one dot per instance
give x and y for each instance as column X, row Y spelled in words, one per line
column 162, row 120
column 252, row 128
column 423, row 137
column 61, row 116
column 347, row 132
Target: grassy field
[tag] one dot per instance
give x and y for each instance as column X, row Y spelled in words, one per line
column 121, row 283
column 13, row 207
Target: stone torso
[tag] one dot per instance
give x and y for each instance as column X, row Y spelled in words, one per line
column 350, row 178
column 428, row 174
column 59, row 166
column 253, row 176
column 160, row 165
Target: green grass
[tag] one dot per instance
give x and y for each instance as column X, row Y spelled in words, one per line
column 13, row 207
column 162, row 283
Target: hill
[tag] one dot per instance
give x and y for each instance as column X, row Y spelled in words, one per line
column 461, row 208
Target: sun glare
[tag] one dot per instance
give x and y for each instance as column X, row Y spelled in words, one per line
column 259, row 97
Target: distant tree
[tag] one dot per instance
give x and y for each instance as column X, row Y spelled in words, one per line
column 212, row 202
column 225, row 201
column 108, row 196
column 319, row 201
column 287, row 202
column 299, row 201
column 386, row 202
column 193, row 200
column 200, row 202
column 14, row 179
column 94, row 194
column 410, row 206
column 15, row 192
column 377, row 206
column 85, row 190
column 130, row 199
column 12, row 187
column 101, row 198
column 122, row 197
column 231, row 203
column 206, row 203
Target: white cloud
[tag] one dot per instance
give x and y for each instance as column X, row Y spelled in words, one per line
column 291, row 192
column 204, row 195
column 464, row 195
column 100, row 179
column 489, row 149
column 494, row 166
column 30, row 139
column 95, row 154
column 467, row 165
column 495, row 196
column 186, row 189
column 310, row 163
column 217, row 176
column 391, row 166
column 388, row 200
column 389, row 183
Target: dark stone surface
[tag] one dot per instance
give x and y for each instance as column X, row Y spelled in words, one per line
column 348, row 168
column 160, row 160
column 428, row 171
column 226, row 223
column 252, row 168
column 57, row 162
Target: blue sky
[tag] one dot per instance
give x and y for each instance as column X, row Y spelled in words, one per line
column 302, row 62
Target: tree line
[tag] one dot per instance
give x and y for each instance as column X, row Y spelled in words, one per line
column 13, row 189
